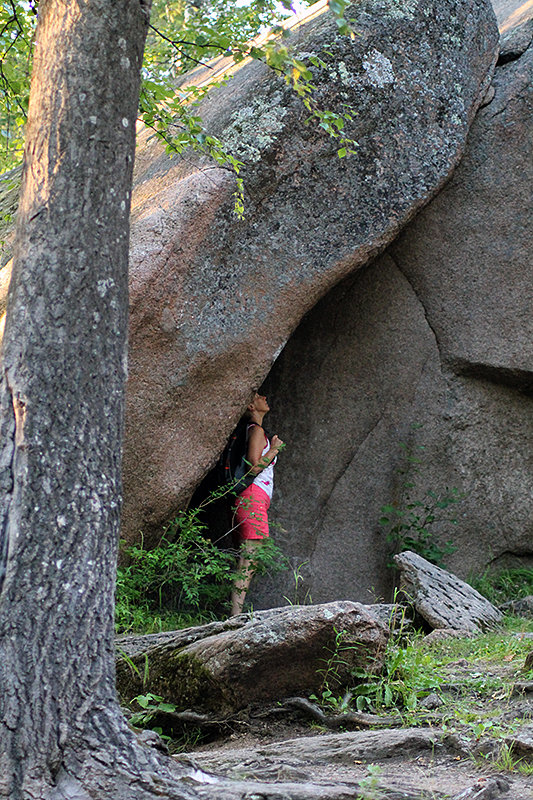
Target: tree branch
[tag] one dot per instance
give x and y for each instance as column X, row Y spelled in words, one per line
column 175, row 43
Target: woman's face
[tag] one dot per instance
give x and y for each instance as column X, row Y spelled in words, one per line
column 259, row 403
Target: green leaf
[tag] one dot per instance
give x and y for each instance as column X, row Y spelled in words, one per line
column 387, row 697
column 167, row 707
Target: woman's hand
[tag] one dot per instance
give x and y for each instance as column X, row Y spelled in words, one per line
column 276, row 443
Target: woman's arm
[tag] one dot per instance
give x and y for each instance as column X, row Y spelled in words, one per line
column 256, row 444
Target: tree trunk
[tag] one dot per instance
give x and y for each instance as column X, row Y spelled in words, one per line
column 62, row 733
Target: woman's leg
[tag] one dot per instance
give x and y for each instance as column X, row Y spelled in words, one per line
column 245, row 573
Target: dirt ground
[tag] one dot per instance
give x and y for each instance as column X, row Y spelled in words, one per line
column 436, row 761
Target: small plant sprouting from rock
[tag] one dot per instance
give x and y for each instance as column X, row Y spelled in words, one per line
column 370, row 784
column 410, row 523
column 299, row 585
column 330, row 676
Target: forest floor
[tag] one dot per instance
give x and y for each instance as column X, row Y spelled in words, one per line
column 476, row 743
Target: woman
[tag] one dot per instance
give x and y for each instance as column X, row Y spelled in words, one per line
column 251, row 505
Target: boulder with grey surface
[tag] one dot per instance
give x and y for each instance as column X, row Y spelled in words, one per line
column 442, row 599
column 267, row 656
column 429, row 347
column 436, row 331
column 213, row 298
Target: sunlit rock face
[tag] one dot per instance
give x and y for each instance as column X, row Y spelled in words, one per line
column 430, row 345
column 215, row 299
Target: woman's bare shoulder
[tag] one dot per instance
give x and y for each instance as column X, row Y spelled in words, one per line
column 255, row 429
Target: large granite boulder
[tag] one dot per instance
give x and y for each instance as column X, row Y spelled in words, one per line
column 429, row 345
column 435, row 337
column 268, row 656
column 214, row 299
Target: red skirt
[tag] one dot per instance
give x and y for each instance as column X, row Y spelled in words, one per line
column 251, row 517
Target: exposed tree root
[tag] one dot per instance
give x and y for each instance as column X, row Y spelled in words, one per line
column 167, row 780
column 523, row 687
column 528, row 663
column 348, row 718
column 192, row 718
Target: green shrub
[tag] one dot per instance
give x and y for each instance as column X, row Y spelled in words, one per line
column 410, row 526
column 413, row 668
column 186, row 579
column 410, row 523
column 185, row 572
column 409, row 674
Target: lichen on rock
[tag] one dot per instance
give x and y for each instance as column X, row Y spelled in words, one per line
column 378, row 68
column 255, row 127
column 400, row 8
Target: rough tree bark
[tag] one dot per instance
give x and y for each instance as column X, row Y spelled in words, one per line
column 62, row 734
column 61, row 731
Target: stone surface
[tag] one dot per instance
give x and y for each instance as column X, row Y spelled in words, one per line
column 512, row 14
column 414, row 764
column 272, row 656
column 441, row 598
column 521, row 608
column 213, row 299
column 475, row 282
column 133, row 644
column 429, row 346
column 442, row 338
column 522, row 742
column 432, row 701
column 485, row 789
column 441, row 634
column 515, row 42
column 394, row 615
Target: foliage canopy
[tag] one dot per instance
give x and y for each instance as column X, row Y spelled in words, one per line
column 183, row 34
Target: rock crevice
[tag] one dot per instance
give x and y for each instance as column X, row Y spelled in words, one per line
column 420, row 298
